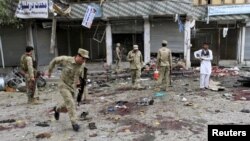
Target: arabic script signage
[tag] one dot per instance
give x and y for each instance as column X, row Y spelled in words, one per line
column 32, row 9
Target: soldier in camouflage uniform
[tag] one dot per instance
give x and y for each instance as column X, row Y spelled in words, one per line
column 164, row 61
column 118, row 56
column 72, row 69
column 28, row 69
column 135, row 59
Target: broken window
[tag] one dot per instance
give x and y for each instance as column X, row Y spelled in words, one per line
column 228, row 1
column 216, row 2
column 239, row 1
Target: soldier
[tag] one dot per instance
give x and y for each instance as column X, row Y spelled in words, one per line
column 135, row 59
column 72, row 69
column 205, row 55
column 27, row 66
column 164, row 61
column 118, row 56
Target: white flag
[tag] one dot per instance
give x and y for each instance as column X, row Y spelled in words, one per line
column 89, row 17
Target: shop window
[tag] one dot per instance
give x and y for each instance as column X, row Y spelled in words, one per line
column 201, row 2
column 239, row 1
column 196, row 2
column 205, row 2
column 228, row 1
column 216, row 2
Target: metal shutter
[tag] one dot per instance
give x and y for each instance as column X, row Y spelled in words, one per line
column 166, row 30
column 247, row 44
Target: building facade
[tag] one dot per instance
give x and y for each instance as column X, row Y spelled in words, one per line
column 146, row 23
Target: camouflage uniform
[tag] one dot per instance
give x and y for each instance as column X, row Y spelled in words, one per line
column 118, row 56
column 27, row 67
column 164, row 61
column 69, row 79
column 136, row 62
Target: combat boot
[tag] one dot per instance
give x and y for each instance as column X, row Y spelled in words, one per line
column 56, row 113
column 76, row 127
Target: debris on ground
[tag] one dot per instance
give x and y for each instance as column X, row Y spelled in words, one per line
column 215, row 86
column 93, row 135
column 243, row 95
column 20, row 124
column 43, row 124
column 84, row 115
column 2, row 127
column 8, row 121
column 9, row 124
column 144, row 101
column 188, row 104
column 228, row 95
column 183, row 99
column 43, row 135
column 244, row 80
column 9, row 89
column 92, row 126
column 111, row 109
column 217, row 111
column 245, row 111
column 160, row 94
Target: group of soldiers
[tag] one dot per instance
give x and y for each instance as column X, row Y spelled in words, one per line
column 73, row 70
column 164, row 63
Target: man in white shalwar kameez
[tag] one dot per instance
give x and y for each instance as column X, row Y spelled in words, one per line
column 205, row 55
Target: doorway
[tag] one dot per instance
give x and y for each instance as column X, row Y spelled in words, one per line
column 127, row 40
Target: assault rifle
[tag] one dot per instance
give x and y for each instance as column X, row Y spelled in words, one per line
column 83, row 81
